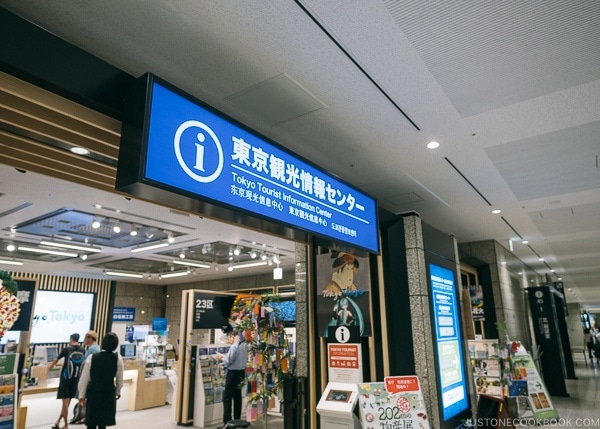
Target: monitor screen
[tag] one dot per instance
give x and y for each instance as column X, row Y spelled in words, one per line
column 51, row 353
column 128, row 350
column 285, row 310
column 57, row 315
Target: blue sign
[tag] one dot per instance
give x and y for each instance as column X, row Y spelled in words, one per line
column 159, row 323
column 123, row 314
column 448, row 342
column 195, row 150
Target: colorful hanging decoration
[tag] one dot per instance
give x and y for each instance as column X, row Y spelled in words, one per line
column 269, row 359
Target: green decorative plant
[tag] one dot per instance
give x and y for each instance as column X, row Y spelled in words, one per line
column 8, row 282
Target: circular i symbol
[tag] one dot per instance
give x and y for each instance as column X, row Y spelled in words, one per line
column 342, row 334
column 202, row 139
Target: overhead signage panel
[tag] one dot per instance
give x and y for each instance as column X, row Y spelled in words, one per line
column 195, row 150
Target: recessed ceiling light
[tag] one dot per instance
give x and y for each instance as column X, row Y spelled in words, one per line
column 80, row 150
column 433, row 145
column 541, row 259
column 525, row 241
column 496, row 211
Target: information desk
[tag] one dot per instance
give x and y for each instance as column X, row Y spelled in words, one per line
column 138, row 393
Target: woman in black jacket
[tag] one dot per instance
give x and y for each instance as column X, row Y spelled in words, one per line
column 97, row 389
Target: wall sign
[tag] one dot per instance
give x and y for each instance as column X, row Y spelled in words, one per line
column 123, row 314
column 211, row 311
column 191, row 149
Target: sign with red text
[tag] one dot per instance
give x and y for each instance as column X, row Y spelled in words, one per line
column 344, row 363
column 397, row 403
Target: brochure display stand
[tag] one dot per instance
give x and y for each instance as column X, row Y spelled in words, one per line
column 336, row 406
column 486, row 367
column 8, row 391
column 525, row 381
column 210, row 384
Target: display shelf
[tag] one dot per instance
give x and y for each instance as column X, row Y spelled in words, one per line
column 487, row 367
column 210, row 384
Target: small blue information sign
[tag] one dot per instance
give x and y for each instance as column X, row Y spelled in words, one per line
column 159, row 323
column 123, row 314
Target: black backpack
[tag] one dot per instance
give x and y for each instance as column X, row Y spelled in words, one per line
column 73, row 364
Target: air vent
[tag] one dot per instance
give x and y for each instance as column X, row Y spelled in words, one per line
column 15, row 209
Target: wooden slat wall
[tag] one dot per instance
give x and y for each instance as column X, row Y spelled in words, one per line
column 37, row 129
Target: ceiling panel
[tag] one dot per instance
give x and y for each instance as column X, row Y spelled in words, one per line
column 487, row 55
column 552, row 164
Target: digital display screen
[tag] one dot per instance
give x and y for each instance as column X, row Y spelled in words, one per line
column 197, row 151
column 339, row 395
column 285, row 310
column 128, row 350
column 57, row 315
column 51, row 353
column 448, row 341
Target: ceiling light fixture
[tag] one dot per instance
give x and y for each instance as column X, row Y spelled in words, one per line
column 124, row 274
column 134, row 230
column 248, row 265
column 11, row 262
column 117, row 227
column 150, row 246
column 525, row 242
column 173, row 274
column 433, row 145
column 496, row 211
column 230, row 267
column 83, row 256
column 182, row 253
column 263, row 256
column 190, row 263
column 10, row 247
column 170, row 237
column 79, row 150
column 74, row 246
column 237, row 251
column 47, row 251
column 96, row 223
column 253, row 254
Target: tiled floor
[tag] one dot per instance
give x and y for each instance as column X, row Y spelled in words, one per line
column 581, row 409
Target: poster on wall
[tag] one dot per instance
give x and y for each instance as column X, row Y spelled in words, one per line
column 395, row 403
column 25, row 295
column 343, row 285
column 476, row 294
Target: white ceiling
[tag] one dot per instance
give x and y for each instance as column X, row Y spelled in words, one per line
column 511, row 90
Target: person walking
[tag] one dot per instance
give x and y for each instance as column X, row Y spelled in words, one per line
column 90, row 341
column 100, row 384
column 72, row 357
column 235, row 363
column 588, row 343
